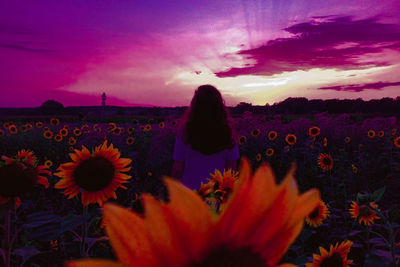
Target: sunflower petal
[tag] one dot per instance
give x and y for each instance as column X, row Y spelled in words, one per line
column 94, row 263
column 128, row 236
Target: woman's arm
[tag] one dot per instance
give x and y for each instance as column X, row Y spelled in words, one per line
column 177, row 169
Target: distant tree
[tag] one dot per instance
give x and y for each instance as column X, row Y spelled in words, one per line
column 52, row 107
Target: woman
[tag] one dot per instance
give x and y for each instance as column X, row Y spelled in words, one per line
column 206, row 141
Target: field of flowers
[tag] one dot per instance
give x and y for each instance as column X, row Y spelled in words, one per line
column 53, row 214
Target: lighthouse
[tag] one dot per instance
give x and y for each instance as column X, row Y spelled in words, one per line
column 103, row 105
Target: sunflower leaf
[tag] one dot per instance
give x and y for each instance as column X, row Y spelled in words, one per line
column 378, row 194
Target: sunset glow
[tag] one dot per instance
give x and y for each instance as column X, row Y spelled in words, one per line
column 157, row 53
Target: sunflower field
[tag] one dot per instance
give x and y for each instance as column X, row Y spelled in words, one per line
column 317, row 190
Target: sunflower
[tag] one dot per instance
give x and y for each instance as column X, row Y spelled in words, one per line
column 58, row 137
column 269, row 152
column 206, row 189
column 147, row 128
column 111, row 126
column 117, row 131
column 242, row 140
column 314, row 131
column 258, row 157
column 20, row 175
column 64, row 132
column 2, row 133
column 325, row 142
column 161, row 125
column 54, row 121
column 66, row 127
column 29, row 126
column 135, row 122
column 394, row 131
column 171, row 234
column 291, row 139
column 99, row 130
column 224, row 182
column 13, row 129
column 272, row 135
column 142, row 127
column 46, row 128
column 381, row 133
column 48, row 134
column 371, row 134
column 255, row 132
column 396, row 141
column 364, row 213
column 131, row 130
column 23, row 128
column 130, row 140
column 325, row 161
column 347, row 139
column 48, row 163
column 71, row 141
column 354, row 168
column 337, row 256
column 26, row 156
column 6, row 125
column 318, row 215
column 77, row 132
column 95, row 175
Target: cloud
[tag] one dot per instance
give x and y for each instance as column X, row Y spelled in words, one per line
column 324, row 42
column 360, row 87
column 27, row 49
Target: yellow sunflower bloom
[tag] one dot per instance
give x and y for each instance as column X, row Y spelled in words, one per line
column 161, row 125
column 130, row 140
column 2, row 133
column 364, row 213
column 337, row 256
column 272, row 135
column 347, row 140
column 291, row 139
column 269, row 152
column 242, row 140
column 371, row 134
column 19, row 176
column 319, row 214
column 396, row 142
column 226, row 182
column 314, row 131
column 325, row 161
column 13, row 129
column 64, row 132
column 381, row 134
column 260, row 222
column 95, row 175
column 255, row 132
column 58, row 137
column 48, row 134
column 71, row 141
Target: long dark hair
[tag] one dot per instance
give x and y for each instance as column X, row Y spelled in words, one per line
column 207, row 122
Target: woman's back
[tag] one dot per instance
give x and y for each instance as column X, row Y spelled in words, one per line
column 205, row 141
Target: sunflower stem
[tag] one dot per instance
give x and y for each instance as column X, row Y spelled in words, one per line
column 391, row 236
column 84, row 231
column 7, row 247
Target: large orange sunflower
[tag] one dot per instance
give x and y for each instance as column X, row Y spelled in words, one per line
column 337, row 256
column 318, row 215
column 19, row 175
column 95, row 175
column 364, row 213
column 396, row 141
column 260, row 222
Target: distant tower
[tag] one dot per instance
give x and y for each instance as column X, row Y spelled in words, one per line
column 103, row 105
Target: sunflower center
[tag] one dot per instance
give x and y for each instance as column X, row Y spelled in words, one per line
column 234, row 258
column 314, row 214
column 94, row 174
column 314, row 131
column 326, row 161
column 365, row 211
column 335, row 260
column 17, row 179
column 290, row 139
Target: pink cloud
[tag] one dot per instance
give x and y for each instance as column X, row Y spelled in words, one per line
column 361, row 87
column 338, row 42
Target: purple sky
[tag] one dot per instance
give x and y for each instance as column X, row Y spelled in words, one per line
column 157, row 52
